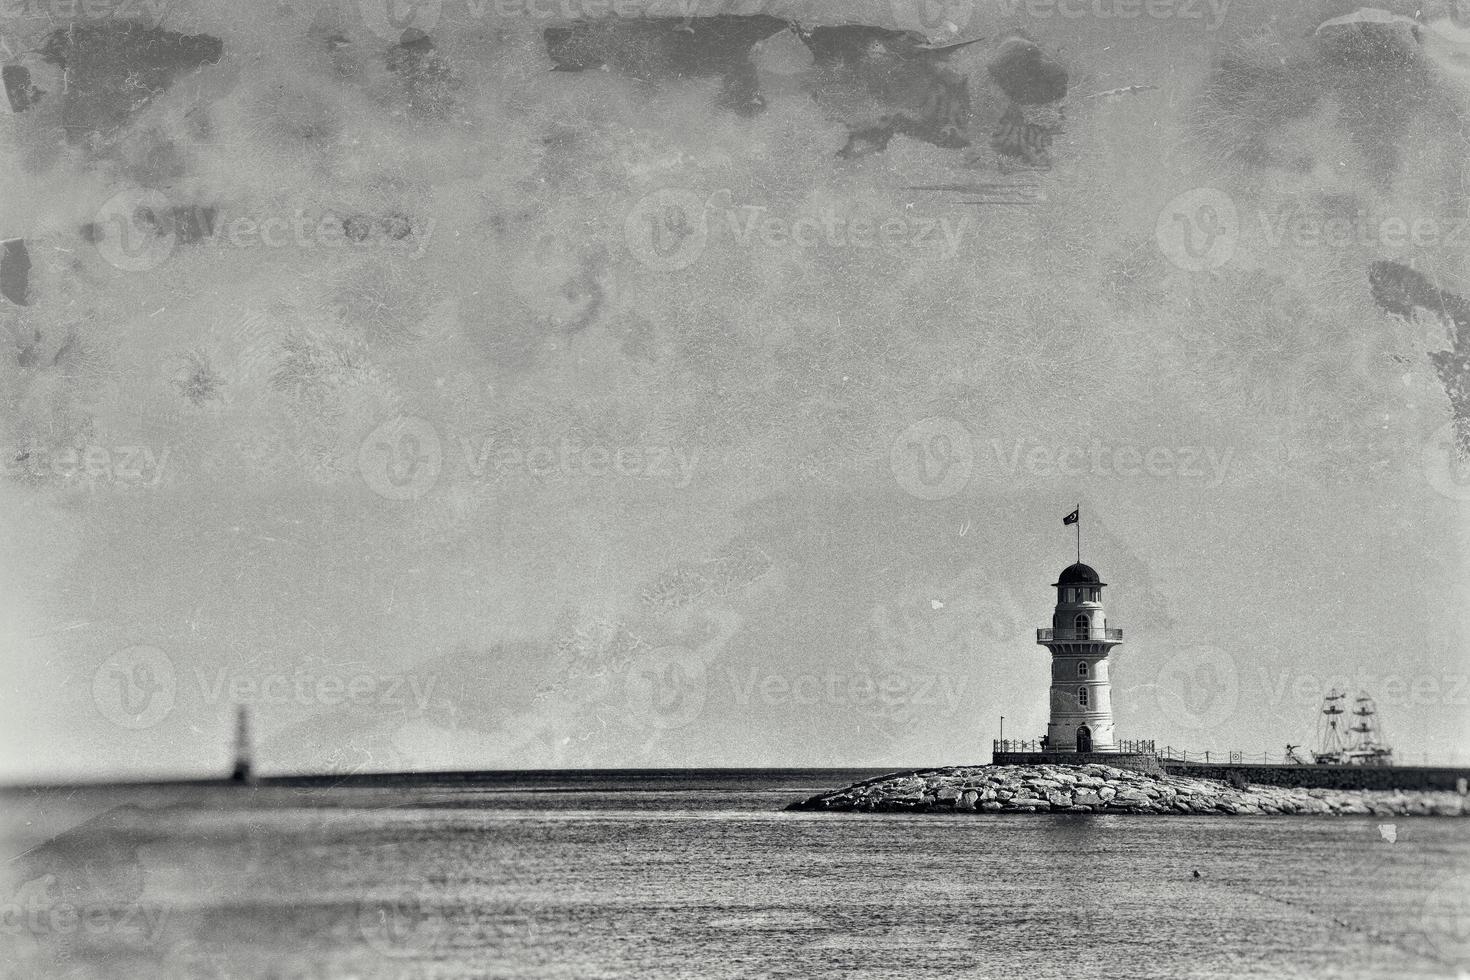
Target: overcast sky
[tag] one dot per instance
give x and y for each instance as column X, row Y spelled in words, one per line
column 533, row 485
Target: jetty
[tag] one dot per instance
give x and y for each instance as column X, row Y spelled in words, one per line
column 1099, row 788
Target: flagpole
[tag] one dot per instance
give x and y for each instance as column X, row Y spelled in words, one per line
column 1079, row 534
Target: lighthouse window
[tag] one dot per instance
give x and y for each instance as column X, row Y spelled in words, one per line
column 1092, row 595
column 1082, row 668
column 1081, row 624
column 1082, row 697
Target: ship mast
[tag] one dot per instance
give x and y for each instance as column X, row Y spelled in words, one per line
column 1364, row 711
column 1331, row 741
column 1369, row 747
column 1359, row 743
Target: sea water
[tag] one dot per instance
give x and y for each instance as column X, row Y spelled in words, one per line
column 635, row 876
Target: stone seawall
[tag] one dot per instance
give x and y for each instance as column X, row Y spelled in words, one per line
column 1326, row 777
column 1100, row 788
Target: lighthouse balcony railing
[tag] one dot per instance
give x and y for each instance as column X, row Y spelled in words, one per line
column 1064, row 635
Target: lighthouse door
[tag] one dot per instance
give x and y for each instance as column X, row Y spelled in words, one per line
column 1084, row 738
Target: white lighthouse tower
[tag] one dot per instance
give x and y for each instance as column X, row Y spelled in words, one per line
column 1079, row 640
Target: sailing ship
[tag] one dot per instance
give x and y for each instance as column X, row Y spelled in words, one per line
column 1350, row 736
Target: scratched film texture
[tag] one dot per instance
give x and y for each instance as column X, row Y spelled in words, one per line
column 730, row 360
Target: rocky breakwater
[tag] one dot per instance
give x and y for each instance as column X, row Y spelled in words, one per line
column 1104, row 789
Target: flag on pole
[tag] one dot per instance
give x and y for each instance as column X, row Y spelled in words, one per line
column 1072, row 518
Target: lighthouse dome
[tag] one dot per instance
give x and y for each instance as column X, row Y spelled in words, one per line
column 1079, row 574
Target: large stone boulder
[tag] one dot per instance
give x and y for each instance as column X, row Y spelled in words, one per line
column 1059, row 798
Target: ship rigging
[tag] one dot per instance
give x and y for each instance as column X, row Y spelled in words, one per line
column 1356, row 742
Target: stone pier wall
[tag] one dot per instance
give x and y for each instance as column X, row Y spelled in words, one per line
column 1309, row 777
column 1325, row 777
column 1135, row 761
